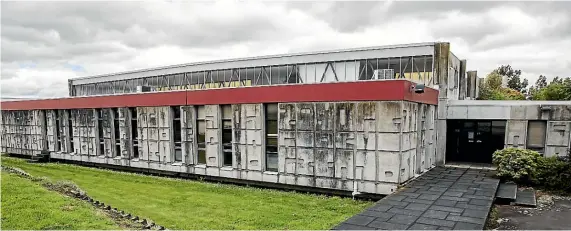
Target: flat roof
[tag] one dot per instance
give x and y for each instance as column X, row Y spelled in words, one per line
column 414, row 49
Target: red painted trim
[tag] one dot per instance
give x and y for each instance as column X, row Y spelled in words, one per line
column 392, row 90
column 127, row 100
column 430, row 95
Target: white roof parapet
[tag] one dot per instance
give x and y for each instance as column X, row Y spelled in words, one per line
column 402, row 50
column 505, row 102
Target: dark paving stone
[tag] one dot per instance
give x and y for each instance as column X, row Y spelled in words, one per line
column 439, row 222
column 418, row 207
column 344, row 226
column 466, row 219
column 453, row 193
column 467, row 226
column 387, row 226
column 380, row 207
column 430, row 197
column 359, row 220
column 446, row 209
column 465, row 205
column 482, row 214
column 437, row 189
column 480, row 202
column 405, row 212
column 526, row 197
column 418, row 201
column 478, row 197
column 445, row 202
column 443, row 198
column 507, row 191
column 398, row 204
column 454, row 198
column 403, row 219
column 377, row 214
column 395, row 197
column 410, row 190
column 410, row 195
column 423, row 227
column 435, row 214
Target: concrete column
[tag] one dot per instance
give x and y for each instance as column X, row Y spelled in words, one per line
column 188, row 122
column 472, row 84
column 441, row 66
column 463, row 87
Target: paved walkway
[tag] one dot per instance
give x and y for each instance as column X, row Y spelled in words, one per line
column 443, row 198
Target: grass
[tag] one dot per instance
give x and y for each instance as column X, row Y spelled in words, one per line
column 28, row 206
column 183, row 204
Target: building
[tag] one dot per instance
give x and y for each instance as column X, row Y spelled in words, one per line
column 352, row 121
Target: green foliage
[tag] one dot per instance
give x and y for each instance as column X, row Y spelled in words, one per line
column 554, row 173
column 516, row 164
column 494, row 80
column 514, row 79
column 557, row 89
column 529, row 167
column 492, row 88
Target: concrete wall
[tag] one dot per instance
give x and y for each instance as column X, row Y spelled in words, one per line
column 23, row 132
column 557, row 115
column 354, row 146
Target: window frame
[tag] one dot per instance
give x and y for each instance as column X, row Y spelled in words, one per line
column 272, row 136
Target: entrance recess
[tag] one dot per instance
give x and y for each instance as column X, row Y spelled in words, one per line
column 474, row 140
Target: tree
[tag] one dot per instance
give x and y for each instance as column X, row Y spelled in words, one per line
column 558, row 89
column 494, row 80
column 514, row 80
column 491, row 89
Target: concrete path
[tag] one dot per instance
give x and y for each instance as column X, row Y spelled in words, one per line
column 443, row 198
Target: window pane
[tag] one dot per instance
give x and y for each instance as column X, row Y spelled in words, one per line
column 227, row 112
column 272, row 141
column 272, row 162
column 272, row 127
column 272, row 111
column 227, row 159
column 202, row 156
column 536, row 134
column 227, row 124
column 177, row 155
column 201, row 127
column 227, row 136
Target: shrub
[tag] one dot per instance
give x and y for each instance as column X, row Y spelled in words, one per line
column 554, row 173
column 516, row 164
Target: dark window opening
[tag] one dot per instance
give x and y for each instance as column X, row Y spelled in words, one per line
column 70, row 130
column 177, row 134
column 201, row 135
column 227, row 135
column 58, row 133
column 134, row 133
column 101, row 118
column 271, row 112
column 117, row 132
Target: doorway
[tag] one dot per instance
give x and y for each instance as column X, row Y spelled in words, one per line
column 474, row 140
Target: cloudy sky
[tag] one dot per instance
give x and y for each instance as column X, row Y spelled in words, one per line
column 45, row 43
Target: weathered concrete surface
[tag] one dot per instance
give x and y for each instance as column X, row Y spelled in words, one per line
column 443, row 198
column 367, row 147
column 23, row 132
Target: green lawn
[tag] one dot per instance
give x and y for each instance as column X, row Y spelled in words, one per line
column 183, row 204
column 27, row 205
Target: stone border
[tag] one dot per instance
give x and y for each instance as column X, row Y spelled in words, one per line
column 75, row 192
